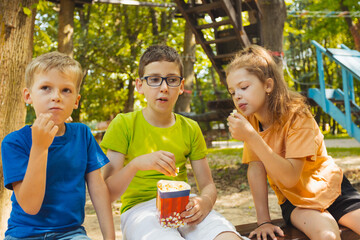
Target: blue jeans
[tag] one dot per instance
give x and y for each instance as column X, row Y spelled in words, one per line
column 77, row 234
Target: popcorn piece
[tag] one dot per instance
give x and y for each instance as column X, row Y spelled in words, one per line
column 233, row 113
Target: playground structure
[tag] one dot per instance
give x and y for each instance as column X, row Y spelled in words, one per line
column 339, row 103
column 219, row 28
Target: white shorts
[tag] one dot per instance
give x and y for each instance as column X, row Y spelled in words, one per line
column 141, row 223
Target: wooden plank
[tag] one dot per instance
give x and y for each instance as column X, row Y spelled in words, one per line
column 291, row 232
column 221, row 40
column 214, row 24
column 202, row 8
column 222, row 56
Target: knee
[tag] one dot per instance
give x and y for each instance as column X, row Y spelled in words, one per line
column 326, row 235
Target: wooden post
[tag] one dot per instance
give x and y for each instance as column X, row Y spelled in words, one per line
column 16, row 35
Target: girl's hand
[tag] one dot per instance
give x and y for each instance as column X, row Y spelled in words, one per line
column 239, row 127
column 196, row 210
column 161, row 161
column 43, row 131
column 264, row 230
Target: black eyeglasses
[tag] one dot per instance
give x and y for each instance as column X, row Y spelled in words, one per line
column 156, row 81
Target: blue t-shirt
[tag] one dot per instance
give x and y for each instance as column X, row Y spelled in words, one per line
column 70, row 158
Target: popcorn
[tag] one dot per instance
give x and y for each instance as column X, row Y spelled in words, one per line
column 172, row 198
column 233, row 113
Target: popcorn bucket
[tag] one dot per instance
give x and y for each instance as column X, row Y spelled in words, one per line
column 172, row 198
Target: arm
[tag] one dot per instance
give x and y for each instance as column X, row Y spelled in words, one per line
column 30, row 191
column 199, row 207
column 118, row 177
column 100, row 198
column 282, row 170
column 259, row 191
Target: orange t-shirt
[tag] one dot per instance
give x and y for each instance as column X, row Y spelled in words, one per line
column 300, row 137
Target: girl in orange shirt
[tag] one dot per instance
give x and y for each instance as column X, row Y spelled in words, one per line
column 282, row 142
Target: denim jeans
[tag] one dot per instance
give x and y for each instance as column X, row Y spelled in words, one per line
column 77, row 234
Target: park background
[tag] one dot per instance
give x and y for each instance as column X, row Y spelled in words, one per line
column 108, row 39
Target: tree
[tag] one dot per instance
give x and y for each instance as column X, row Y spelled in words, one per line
column 66, row 27
column 184, row 100
column 272, row 24
column 16, row 34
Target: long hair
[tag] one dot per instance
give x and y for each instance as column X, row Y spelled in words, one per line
column 282, row 102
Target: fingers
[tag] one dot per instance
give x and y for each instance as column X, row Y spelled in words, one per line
column 44, row 130
column 167, row 163
column 265, row 233
column 279, row 231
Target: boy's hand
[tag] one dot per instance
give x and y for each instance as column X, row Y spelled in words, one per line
column 196, row 210
column 239, row 127
column 43, row 131
column 161, row 161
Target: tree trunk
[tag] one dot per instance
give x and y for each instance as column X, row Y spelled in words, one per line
column 66, row 27
column 353, row 27
column 184, row 100
column 16, row 44
column 129, row 104
column 272, row 24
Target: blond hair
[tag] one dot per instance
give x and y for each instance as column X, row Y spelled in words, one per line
column 282, row 102
column 54, row 60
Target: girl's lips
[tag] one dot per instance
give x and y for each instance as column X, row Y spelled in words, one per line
column 242, row 106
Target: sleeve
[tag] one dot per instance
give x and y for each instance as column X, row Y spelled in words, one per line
column 15, row 158
column 303, row 139
column 96, row 157
column 117, row 136
column 198, row 145
column 248, row 155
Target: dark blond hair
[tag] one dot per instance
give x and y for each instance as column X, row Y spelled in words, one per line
column 157, row 53
column 54, row 60
column 282, row 102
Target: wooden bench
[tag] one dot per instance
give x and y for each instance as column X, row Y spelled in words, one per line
column 291, row 232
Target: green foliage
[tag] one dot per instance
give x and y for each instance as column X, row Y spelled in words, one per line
column 343, row 152
column 300, row 56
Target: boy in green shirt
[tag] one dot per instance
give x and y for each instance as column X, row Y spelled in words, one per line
column 150, row 145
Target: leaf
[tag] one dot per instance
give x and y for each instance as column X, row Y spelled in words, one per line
column 27, row 11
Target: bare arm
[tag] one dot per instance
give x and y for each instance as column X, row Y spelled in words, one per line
column 118, row 177
column 259, row 191
column 199, row 207
column 100, row 198
column 30, row 191
column 285, row 171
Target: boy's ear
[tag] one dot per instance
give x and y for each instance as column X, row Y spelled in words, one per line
column 269, row 85
column 77, row 101
column 182, row 87
column 27, row 96
column 138, row 85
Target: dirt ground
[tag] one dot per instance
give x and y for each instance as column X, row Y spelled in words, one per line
column 234, row 198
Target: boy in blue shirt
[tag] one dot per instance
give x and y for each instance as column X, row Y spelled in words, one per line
column 150, row 145
column 48, row 164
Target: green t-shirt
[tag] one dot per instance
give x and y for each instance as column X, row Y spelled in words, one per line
column 133, row 136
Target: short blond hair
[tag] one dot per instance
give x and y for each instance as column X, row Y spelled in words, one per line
column 54, row 60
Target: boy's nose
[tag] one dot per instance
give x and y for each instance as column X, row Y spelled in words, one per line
column 164, row 86
column 56, row 96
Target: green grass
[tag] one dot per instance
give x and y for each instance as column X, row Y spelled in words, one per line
column 223, row 157
column 343, row 152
